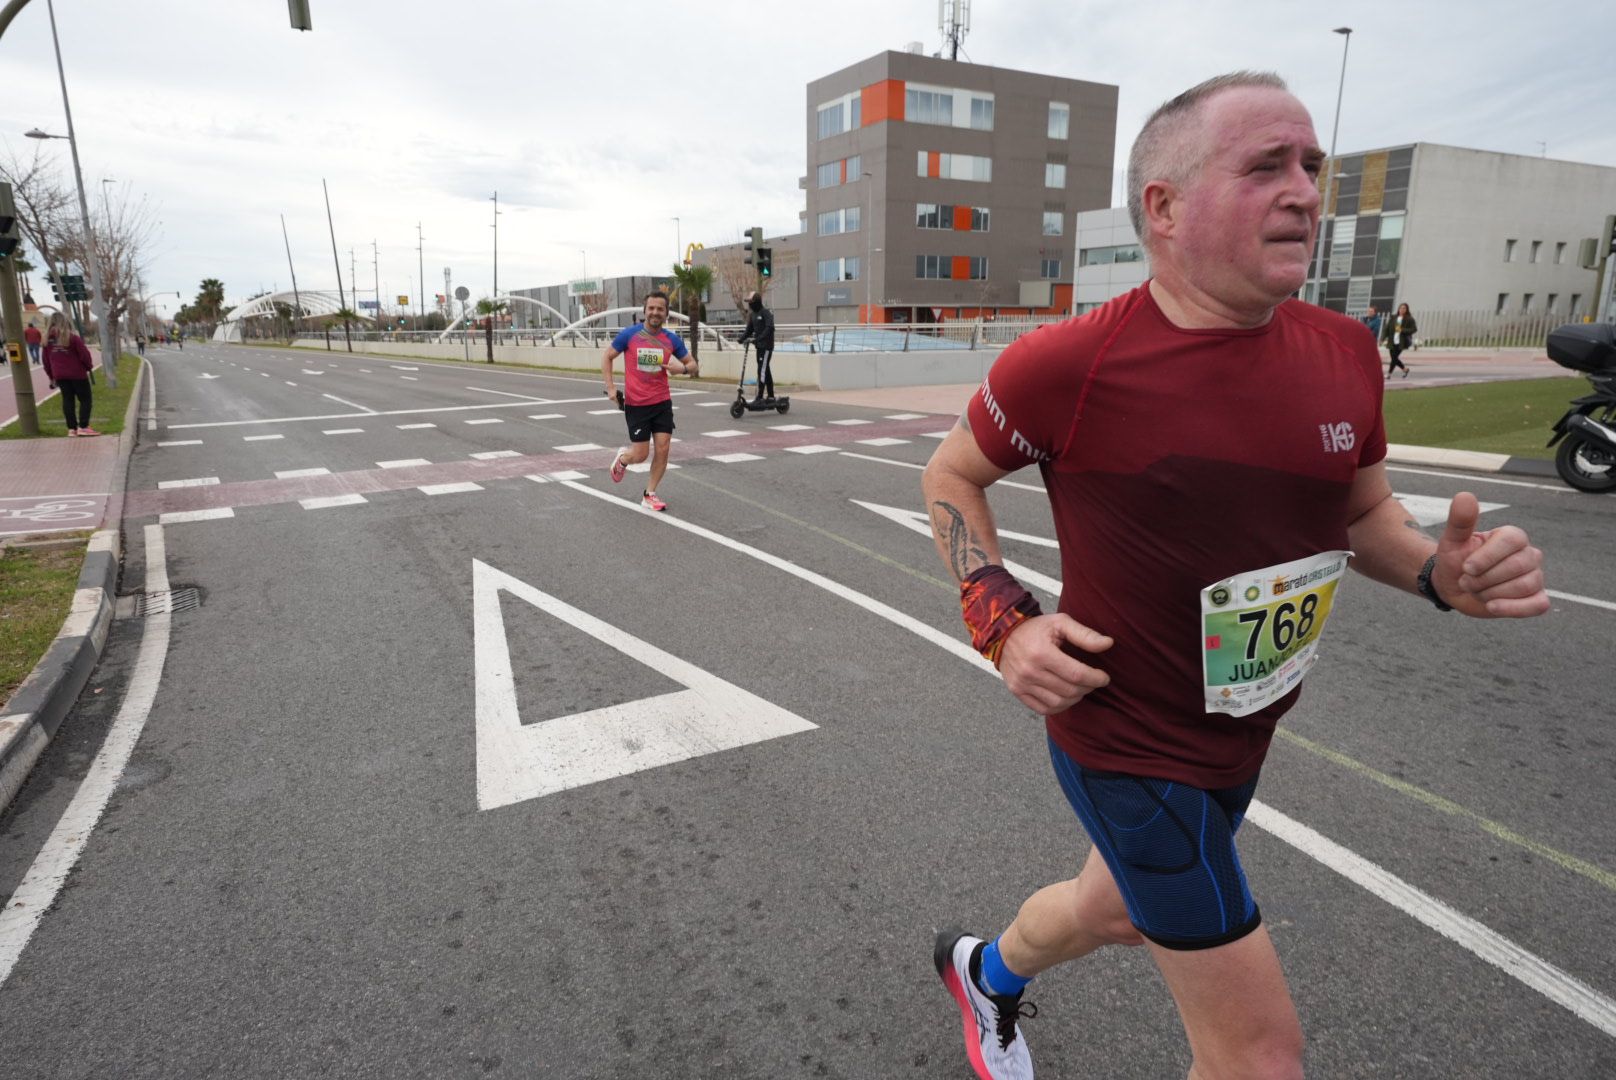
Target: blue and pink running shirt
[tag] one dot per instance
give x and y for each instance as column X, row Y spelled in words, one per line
column 644, row 358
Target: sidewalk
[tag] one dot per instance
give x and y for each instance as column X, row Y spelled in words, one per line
column 52, row 485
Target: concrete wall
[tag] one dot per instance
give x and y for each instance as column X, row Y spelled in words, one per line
column 1097, row 284
column 823, row 371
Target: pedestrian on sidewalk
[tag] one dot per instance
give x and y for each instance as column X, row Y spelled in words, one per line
column 32, row 336
column 1180, row 642
column 1374, row 320
column 68, row 366
column 760, row 331
column 140, row 344
column 1399, row 336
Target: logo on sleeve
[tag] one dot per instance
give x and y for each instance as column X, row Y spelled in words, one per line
column 1018, row 441
column 1337, row 438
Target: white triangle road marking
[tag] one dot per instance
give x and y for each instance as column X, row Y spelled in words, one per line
column 916, row 521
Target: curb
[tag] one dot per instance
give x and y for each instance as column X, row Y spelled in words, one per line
column 35, row 712
column 1470, row 460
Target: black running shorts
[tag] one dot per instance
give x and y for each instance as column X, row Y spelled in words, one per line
column 643, row 420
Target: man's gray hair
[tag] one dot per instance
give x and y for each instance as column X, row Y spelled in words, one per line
column 1167, row 149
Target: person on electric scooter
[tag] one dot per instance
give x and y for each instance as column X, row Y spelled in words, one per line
column 760, row 331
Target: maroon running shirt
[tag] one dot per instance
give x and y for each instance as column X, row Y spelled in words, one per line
column 1174, row 459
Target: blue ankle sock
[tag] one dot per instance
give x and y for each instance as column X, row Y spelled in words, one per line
column 996, row 978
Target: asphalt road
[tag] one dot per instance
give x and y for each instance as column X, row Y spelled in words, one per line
column 516, row 779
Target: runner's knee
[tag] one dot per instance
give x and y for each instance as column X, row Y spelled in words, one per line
column 1275, row 1055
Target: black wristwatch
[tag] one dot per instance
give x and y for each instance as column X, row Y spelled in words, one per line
column 1426, row 589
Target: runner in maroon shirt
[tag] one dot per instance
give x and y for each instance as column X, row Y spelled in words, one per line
column 1213, row 452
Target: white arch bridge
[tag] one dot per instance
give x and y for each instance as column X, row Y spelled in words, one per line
column 304, row 304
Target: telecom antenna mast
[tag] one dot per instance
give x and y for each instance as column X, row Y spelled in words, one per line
column 954, row 20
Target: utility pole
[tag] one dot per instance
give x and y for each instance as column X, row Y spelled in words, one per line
column 337, row 262
column 495, row 297
column 297, row 301
column 376, row 277
column 420, row 266
column 22, row 376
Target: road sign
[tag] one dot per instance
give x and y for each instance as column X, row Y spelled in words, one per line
column 403, row 301
column 462, row 293
column 367, row 305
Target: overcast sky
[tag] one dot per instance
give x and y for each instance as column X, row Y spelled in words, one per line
column 599, row 123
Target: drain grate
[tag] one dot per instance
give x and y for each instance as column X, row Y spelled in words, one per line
column 169, row 600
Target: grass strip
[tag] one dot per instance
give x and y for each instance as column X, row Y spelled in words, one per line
column 1513, row 417
column 36, row 592
column 107, row 406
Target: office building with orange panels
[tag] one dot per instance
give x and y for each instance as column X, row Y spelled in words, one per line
column 937, row 189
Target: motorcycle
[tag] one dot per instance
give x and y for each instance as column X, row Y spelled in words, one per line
column 1586, row 458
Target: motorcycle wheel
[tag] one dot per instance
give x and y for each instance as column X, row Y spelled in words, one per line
column 1585, row 465
column 736, row 408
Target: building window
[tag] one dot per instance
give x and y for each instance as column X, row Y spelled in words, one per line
column 1105, row 256
column 1050, row 270
column 928, row 216
column 830, row 174
column 1559, row 253
column 944, row 216
column 1340, row 260
column 933, row 267
column 1389, row 248
column 1054, row 225
column 832, row 222
column 1509, row 251
column 1526, row 303
column 830, row 120
column 831, row 270
column 953, row 166
column 1054, row 174
column 979, row 268
column 1576, row 302
column 1554, row 298
column 1503, row 302
column 1358, row 295
column 1537, row 246
column 928, row 106
column 980, row 219
column 857, row 111
column 982, row 114
column 1060, row 117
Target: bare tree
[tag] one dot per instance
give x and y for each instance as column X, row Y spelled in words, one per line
column 593, row 303
column 730, row 268
column 45, row 206
column 122, row 238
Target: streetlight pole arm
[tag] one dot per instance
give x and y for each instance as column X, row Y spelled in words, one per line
column 10, row 13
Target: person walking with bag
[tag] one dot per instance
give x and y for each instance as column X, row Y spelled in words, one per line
column 68, row 365
column 1399, row 336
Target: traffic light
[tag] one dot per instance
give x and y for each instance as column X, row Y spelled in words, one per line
column 9, row 239
column 765, row 262
column 56, row 287
column 754, row 241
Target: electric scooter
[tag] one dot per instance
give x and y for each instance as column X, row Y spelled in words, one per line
column 742, row 405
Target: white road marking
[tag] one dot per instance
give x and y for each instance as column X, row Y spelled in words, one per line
column 1466, row 478
column 517, row 762
column 490, row 455
column 403, row 463
column 1575, row 599
column 293, row 474
column 1558, row 986
column 151, row 401
column 372, row 412
column 916, row 521
column 181, row 442
column 645, row 467
column 852, row 423
column 181, row 516
column 884, row 442
column 791, row 427
column 307, row 371
column 549, row 416
column 711, row 404
column 350, row 404
column 449, row 489
column 934, row 435
column 413, row 427
column 401, row 367
column 487, row 420
column 912, row 465
column 603, row 412
column 729, row 433
column 409, row 378
column 263, row 374
column 289, row 382
column 812, row 448
column 337, row 431
column 906, row 416
column 207, row 375
column 1431, row 510
column 326, row 501
column 365, row 370
column 529, row 398
column 200, row 481
column 731, row 459
column 37, row 891
column 565, row 474
column 261, row 438
column 578, row 448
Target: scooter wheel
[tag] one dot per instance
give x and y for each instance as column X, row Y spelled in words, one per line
column 784, row 407
column 1584, row 465
column 736, row 408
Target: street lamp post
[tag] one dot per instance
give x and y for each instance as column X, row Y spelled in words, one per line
column 869, row 239
column 1329, row 177
column 98, row 303
column 496, row 247
column 678, row 243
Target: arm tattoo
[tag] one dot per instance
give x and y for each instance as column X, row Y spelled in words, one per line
column 949, row 524
column 1412, row 524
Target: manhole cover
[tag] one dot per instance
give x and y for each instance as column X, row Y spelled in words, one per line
column 170, row 600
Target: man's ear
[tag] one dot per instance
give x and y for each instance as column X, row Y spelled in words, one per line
column 1161, row 205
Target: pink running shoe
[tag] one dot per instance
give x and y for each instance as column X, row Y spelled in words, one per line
column 651, row 502
column 618, row 468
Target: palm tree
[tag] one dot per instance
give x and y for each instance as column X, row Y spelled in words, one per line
column 485, row 306
column 347, row 315
column 690, row 285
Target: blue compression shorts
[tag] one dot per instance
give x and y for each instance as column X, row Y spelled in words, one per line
column 1170, row 848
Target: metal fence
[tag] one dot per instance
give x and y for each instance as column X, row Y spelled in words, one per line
column 963, row 334
column 1485, row 329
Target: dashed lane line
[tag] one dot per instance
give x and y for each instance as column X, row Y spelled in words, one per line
column 325, row 502
column 198, row 481
column 294, row 474
column 449, row 489
column 178, row 517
